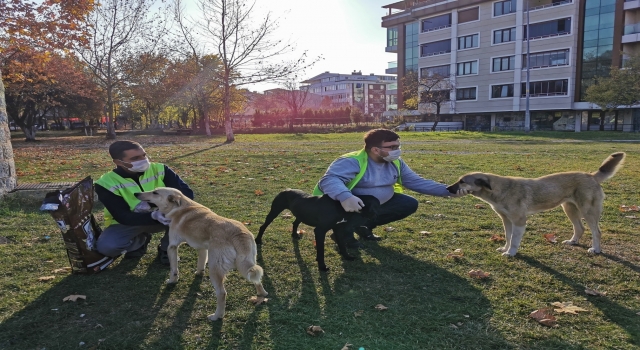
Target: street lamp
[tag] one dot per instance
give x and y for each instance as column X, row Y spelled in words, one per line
column 527, row 115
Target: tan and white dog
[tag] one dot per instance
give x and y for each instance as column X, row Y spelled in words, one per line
column 225, row 242
column 513, row 198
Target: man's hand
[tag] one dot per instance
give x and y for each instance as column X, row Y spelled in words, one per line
column 157, row 215
column 142, row 207
column 461, row 192
column 352, row 204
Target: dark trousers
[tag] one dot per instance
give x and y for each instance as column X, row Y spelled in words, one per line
column 397, row 208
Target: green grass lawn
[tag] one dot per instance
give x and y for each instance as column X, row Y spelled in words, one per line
column 432, row 302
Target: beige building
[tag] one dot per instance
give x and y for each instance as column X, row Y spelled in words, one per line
column 482, row 46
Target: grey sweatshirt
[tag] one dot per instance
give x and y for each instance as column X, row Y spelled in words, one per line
column 377, row 181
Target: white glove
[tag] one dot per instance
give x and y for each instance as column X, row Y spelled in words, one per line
column 461, row 192
column 142, row 207
column 157, row 215
column 352, row 204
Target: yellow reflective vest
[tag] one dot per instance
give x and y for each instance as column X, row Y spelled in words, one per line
column 363, row 159
column 127, row 188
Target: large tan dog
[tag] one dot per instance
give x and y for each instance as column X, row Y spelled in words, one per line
column 226, row 243
column 513, row 198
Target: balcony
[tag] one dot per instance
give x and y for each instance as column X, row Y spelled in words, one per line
column 631, row 4
column 631, row 33
column 542, row 4
column 392, row 68
column 393, row 49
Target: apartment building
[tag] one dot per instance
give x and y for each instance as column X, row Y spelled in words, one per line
column 482, row 45
column 373, row 94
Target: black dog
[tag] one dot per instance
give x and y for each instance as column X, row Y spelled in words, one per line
column 324, row 214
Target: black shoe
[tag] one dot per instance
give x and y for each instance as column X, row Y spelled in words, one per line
column 365, row 233
column 140, row 251
column 163, row 257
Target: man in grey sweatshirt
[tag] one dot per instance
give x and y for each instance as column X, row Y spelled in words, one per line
column 377, row 170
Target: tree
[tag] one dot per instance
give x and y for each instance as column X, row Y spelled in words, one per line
column 245, row 48
column 293, row 98
column 410, row 87
column 49, row 24
column 620, row 88
column 435, row 90
column 356, row 115
column 120, row 31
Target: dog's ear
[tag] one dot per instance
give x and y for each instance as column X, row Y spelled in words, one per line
column 482, row 183
column 174, row 199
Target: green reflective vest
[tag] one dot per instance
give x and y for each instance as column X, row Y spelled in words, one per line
column 363, row 159
column 127, row 188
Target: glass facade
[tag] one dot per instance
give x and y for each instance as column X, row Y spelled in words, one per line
column 411, row 47
column 597, row 45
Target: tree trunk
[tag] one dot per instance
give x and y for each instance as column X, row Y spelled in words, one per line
column 435, row 123
column 227, row 109
column 7, row 166
column 111, row 132
column 29, row 133
column 207, row 128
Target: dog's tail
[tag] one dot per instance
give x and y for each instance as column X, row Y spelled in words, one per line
column 609, row 167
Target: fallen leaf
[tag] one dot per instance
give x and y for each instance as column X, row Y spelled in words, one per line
column 286, row 215
column 258, row 192
column 479, row 274
column 381, row 307
column 550, row 237
column 453, row 326
column 567, row 307
column 346, row 346
column 74, row 297
column 457, row 254
column 544, row 317
column 479, row 206
column 314, row 330
column 46, row 278
column 496, row 238
column 631, row 217
column 425, row 233
column 257, row 300
column 247, row 223
column 358, row 313
column 62, row 269
column 624, row 208
column 301, row 232
column 595, row 292
column 389, row 229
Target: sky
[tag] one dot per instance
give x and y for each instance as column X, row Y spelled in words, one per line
column 346, row 33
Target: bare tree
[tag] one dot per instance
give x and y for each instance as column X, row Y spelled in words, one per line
column 294, row 98
column 121, row 30
column 435, row 90
column 245, row 48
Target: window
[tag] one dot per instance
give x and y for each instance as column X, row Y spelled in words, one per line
column 466, row 68
column 435, row 48
column 392, row 36
column 504, row 63
column 547, row 59
column 468, row 15
column 435, row 23
column 546, row 88
column 504, row 35
column 443, row 71
column 466, row 94
column 342, row 86
column 504, row 7
column 329, row 88
column 550, row 28
column 499, row 91
column 467, row 42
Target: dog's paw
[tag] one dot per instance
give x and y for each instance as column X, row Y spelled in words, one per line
column 502, row 249
column 214, row 317
column 323, row 268
column 570, row 242
column 593, row 251
column 508, row 254
column 199, row 272
column 172, row 281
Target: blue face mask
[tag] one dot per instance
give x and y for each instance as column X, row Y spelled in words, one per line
column 393, row 155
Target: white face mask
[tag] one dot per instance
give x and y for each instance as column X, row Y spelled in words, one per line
column 393, row 155
column 139, row 166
